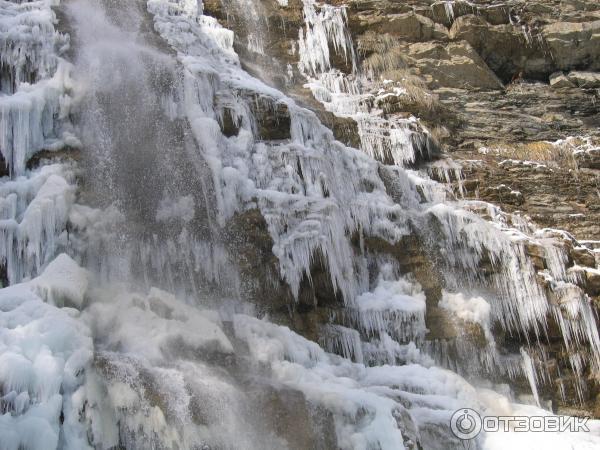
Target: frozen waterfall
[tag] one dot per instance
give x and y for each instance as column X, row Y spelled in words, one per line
column 134, row 318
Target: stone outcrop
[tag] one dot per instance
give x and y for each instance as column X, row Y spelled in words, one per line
column 573, row 45
column 550, row 193
column 408, row 26
column 534, row 53
column 511, row 74
column 456, row 65
column 585, row 80
column 504, row 48
column 560, row 80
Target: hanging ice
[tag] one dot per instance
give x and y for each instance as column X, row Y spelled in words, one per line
column 34, row 210
column 34, row 80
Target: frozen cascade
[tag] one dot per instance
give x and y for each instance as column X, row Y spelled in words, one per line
column 325, row 24
column 253, row 21
column 395, row 307
column 342, row 340
column 34, row 84
column 29, row 43
column 151, row 215
column 521, row 307
column 305, row 213
column 134, row 366
column 34, row 210
column 343, row 95
column 355, row 95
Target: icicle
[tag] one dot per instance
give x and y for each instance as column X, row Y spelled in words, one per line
column 393, row 307
column 530, row 373
column 448, row 171
column 37, row 213
column 35, row 80
column 342, row 340
column 28, row 44
column 325, row 25
column 28, row 121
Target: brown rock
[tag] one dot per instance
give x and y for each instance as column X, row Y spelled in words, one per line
column 456, row 65
column 508, row 51
column 586, row 80
column 559, row 80
column 574, row 45
column 583, row 257
column 592, row 282
column 409, row 27
column 447, row 12
column 588, row 159
column 273, row 119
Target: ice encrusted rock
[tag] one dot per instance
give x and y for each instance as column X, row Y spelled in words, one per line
column 421, row 397
column 34, row 103
column 48, row 382
column 28, row 121
column 63, row 282
column 34, row 210
column 150, row 326
column 28, row 43
column 300, row 185
column 43, row 353
column 474, row 309
column 314, row 193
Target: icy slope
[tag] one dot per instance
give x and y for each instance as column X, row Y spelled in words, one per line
column 140, row 382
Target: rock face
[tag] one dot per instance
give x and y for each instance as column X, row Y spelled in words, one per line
column 407, row 27
column 585, row 80
column 455, row 65
column 559, row 80
column 529, row 44
column 510, row 74
column 573, row 45
column 505, row 48
column 558, row 194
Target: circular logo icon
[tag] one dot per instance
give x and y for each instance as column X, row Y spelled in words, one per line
column 465, row 424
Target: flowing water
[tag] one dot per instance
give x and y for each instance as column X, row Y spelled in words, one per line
column 132, row 320
column 139, row 156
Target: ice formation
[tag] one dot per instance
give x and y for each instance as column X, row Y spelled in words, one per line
column 34, row 83
column 474, row 309
column 34, row 208
column 93, row 355
column 356, row 95
column 44, row 351
column 395, row 307
column 303, row 194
